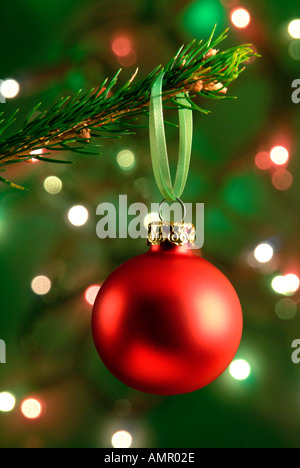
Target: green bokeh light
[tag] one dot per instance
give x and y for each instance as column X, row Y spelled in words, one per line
column 245, row 194
column 201, row 16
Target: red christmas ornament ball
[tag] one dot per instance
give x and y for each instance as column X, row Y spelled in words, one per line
column 167, row 322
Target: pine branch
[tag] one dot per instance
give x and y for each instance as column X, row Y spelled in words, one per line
column 74, row 124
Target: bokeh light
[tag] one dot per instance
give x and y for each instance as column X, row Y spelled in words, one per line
column 279, row 155
column 9, row 88
column 121, row 46
column 7, row 402
column 37, row 151
column 264, row 253
column 282, row 179
column 91, row 294
column 31, row 408
column 294, row 50
column 121, row 439
column 286, row 309
column 292, row 283
column 263, row 161
column 294, row 29
column 53, row 185
column 278, row 284
column 78, row 215
column 240, row 369
column 126, row 160
column 122, row 407
column 286, row 285
column 41, row 285
column 128, row 60
column 240, row 18
column 201, row 16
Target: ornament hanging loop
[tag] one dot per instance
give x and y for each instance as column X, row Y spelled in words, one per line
column 182, row 205
column 158, row 145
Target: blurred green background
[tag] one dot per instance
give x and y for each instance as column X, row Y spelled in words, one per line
column 52, row 49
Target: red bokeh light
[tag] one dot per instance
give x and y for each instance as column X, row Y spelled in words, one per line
column 282, row 179
column 128, row 60
column 121, row 46
column 263, row 161
column 31, row 408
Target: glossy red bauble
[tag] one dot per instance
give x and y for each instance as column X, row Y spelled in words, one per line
column 167, row 322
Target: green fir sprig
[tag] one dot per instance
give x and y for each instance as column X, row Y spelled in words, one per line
column 77, row 123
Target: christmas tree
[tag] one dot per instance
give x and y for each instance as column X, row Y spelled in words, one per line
column 54, row 391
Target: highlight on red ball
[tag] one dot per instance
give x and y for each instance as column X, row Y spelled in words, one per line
column 32, row 408
column 91, row 293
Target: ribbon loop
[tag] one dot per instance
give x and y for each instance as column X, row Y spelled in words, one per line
column 158, row 145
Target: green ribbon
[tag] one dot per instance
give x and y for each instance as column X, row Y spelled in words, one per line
column 158, row 145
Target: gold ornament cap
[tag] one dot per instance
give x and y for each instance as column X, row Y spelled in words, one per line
column 160, row 232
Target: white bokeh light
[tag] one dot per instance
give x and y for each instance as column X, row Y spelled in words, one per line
column 126, row 160
column 286, row 285
column 31, row 408
column 91, row 293
column 78, row 215
column 53, row 185
column 41, row 285
column 294, row 29
column 240, row 18
column 121, row 439
column 240, row 369
column 264, row 253
column 292, row 283
column 7, row 402
column 279, row 155
column 9, row 89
